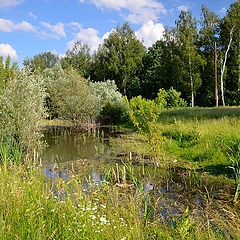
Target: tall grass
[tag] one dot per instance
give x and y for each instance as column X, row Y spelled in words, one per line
column 10, row 149
column 30, row 208
column 197, row 113
column 235, row 166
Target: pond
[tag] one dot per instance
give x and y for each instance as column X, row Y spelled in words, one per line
column 89, row 153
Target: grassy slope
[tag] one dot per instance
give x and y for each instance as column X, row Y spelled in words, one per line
column 204, row 137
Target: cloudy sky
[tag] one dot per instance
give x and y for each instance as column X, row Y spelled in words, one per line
column 29, row 27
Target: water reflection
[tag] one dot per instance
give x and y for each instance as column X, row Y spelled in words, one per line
column 88, row 152
column 67, row 145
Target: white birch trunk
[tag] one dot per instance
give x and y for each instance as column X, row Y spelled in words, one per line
column 224, row 64
column 191, row 80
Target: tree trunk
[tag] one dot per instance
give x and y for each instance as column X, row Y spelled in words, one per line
column 224, row 64
column 239, row 67
column 191, row 81
column 216, row 90
column 124, row 86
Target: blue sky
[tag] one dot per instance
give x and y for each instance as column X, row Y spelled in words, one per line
column 29, row 27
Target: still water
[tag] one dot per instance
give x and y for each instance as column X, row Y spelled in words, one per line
column 89, row 153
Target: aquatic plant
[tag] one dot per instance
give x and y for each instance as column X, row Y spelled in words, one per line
column 235, row 159
column 10, row 149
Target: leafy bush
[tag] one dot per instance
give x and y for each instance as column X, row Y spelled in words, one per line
column 69, row 95
column 161, row 99
column 169, row 99
column 174, row 100
column 142, row 112
column 113, row 108
column 21, row 107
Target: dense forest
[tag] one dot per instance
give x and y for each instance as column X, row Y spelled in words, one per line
column 183, row 59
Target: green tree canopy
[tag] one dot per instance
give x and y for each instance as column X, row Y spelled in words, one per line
column 121, row 55
column 78, row 58
column 41, row 61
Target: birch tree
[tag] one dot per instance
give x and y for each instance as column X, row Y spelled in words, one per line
column 230, row 29
column 208, row 36
column 186, row 34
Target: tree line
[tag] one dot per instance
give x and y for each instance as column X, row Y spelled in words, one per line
column 184, row 59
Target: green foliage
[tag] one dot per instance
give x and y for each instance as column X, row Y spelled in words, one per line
column 78, row 58
column 143, row 112
column 161, row 99
column 119, row 58
column 186, row 36
column 157, row 69
column 113, row 108
column 40, row 62
column 21, row 108
column 230, row 28
column 6, row 72
column 169, row 99
column 174, row 100
column 69, row 95
column 10, row 149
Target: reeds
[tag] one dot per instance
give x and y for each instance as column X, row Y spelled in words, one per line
column 10, row 149
column 235, row 159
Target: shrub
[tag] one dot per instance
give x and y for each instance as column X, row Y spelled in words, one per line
column 113, row 108
column 142, row 112
column 69, row 95
column 169, row 99
column 174, row 100
column 161, row 99
column 21, row 108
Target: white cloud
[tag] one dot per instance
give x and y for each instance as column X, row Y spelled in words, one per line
column 150, row 33
column 223, row 10
column 6, row 49
column 87, row 36
column 57, row 29
column 32, row 15
column 43, row 35
column 140, row 11
column 182, row 8
column 62, row 55
column 9, row 3
column 9, row 26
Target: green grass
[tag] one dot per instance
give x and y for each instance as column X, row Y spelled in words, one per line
column 199, row 138
column 204, row 142
column 197, row 113
column 30, row 209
